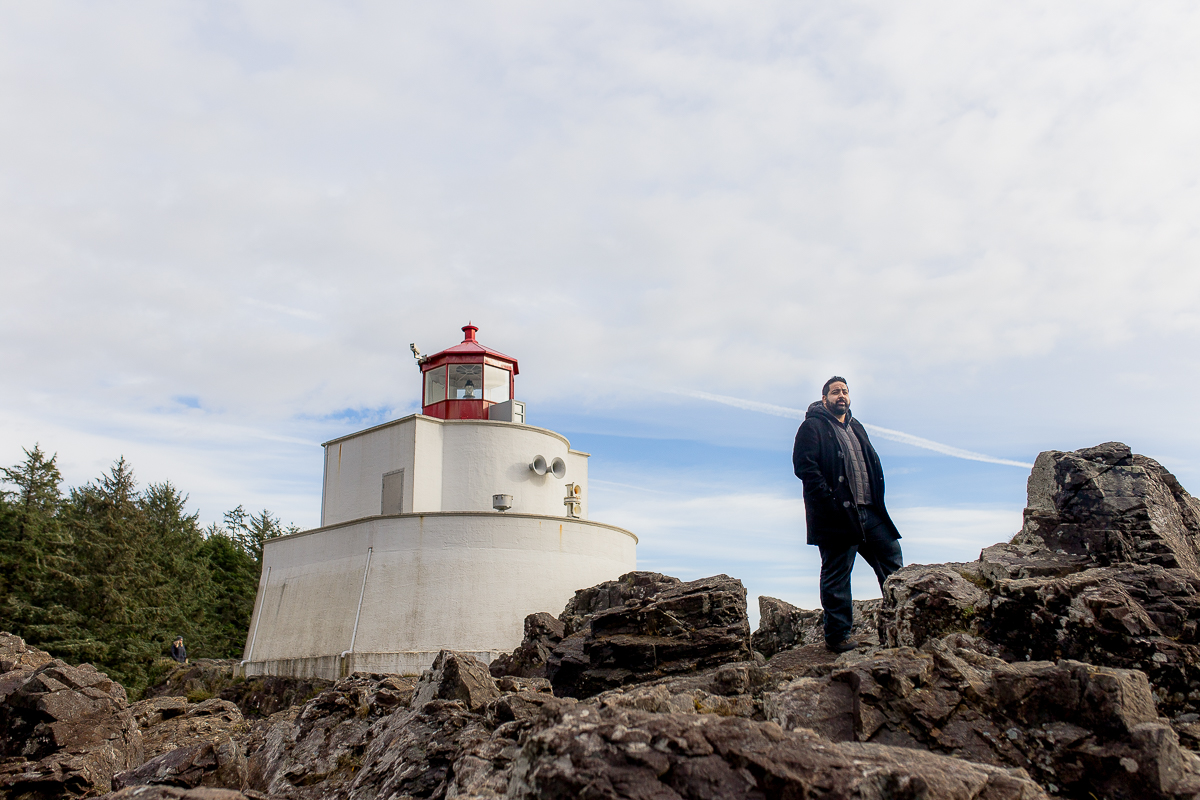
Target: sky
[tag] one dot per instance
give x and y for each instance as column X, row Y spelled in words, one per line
column 222, row 224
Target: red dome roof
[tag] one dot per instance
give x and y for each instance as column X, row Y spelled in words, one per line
column 470, row 347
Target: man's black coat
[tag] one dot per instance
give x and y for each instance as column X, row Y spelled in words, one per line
column 820, row 463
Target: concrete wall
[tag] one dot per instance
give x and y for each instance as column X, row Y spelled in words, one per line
column 355, row 466
column 463, row 581
column 449, row 465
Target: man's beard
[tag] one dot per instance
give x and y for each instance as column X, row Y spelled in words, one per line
column 838, row 409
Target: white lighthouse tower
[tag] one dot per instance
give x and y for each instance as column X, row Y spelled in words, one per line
column 441, row 530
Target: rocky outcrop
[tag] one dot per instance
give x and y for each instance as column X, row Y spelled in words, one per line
column 439, row 750
column 315, row 750
column 152, row 712
column 632, row 588
column 1104, row 571
column 783, row 626
column 612, row 753
column 731, row 690
column 638, row 628
column 188, row 745
column 457, row 676
column 542, row 633
column 257, row 697
column 1108, row 505
column 201, row 678
column 66, row 730
column 167, row 725
column 18, row 658
column 174, row 793
column 929, row 601
column 531, row 744
column 645, row 626
column 219, row 763
column 1078, row 729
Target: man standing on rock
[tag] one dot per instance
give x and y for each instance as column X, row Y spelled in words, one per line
column 843, row 505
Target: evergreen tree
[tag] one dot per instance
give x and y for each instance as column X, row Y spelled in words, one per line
column 37, row 568
column 112, row 534
column 110, row 575
column 233, row 576
column 253, row 530
column 180, row 589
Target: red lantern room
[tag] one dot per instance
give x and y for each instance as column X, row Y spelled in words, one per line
column 464, row 381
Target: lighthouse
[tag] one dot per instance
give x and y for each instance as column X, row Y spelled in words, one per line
column 440, row 530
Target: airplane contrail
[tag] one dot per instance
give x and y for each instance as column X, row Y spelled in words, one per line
column 883, row 433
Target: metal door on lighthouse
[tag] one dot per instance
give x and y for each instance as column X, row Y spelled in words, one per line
column 393, row 493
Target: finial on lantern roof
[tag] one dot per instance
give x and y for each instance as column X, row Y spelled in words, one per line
column 469, row 330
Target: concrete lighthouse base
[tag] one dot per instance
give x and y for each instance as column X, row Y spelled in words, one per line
column 386, row 593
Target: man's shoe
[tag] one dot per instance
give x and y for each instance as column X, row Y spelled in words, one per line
column 844, row 646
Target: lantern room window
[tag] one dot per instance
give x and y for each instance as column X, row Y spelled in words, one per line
column 466, row 381
column 496, row 384
column 435, row 385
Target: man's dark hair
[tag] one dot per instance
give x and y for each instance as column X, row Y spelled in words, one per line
column 834, row 379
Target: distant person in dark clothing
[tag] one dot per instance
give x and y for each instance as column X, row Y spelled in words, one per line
column 843, row 505
column 178, row 651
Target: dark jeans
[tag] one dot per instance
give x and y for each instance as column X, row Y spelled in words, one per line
column 879, row 549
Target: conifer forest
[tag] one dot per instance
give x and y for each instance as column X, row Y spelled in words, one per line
column 110, row 573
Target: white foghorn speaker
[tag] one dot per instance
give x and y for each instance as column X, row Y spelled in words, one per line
column 559, row 468
column 539, row 465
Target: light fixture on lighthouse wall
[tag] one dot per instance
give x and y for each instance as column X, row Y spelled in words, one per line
column 574, row 500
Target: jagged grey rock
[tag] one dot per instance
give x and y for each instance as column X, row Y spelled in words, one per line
column 1111, row 506
column 218, row 763
column 620, row 753
column 151, row 712
column 1071, row 725
column 313, row 751
column 440, row 749
column 922, row 602
column 66, row 730
column 457, row 676
column 258, row 697
column 1104, row 571
column 542, row 633
column 630, row 588
column 166, row 727
column 783, row 626
column 197, row 744
column 175, row 793
column 644, row 626
column 16, row 655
